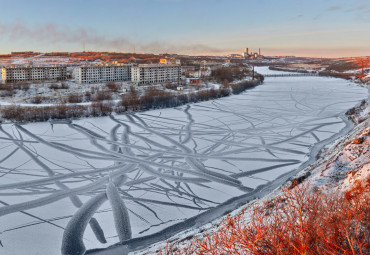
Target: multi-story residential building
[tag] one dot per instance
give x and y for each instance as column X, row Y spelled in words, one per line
column 155, row 73
column 102, row 73
column 185, row 69
column 34, row 73
column 199, row 74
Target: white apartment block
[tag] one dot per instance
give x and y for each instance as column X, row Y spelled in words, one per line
column 33, row 73
column 155, row 73
column 102, row 73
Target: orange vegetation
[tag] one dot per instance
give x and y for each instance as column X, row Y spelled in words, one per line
column 358, row 140
column 361, row 60
column 300, row 221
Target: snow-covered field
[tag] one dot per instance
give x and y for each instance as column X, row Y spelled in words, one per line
column 40, row 59
column 166, row 165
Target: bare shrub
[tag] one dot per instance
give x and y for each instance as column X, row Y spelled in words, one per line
column 193, row 97
column 75, row 98
column 101, row 108
column 155, row 98
column 64, row 86
column 224, row 91
column 112, row 86
column 43, row 113
column 87, row 96
column 130, row 102
column 55, row 86
column 21, row 86
column 171, row 86
column 300, row 221
column 36, row 100
column 229, row 73
column 182, row 99
column 8, row 90
column 94, row 89
column 102, row 95
column 226, row 84
column 239, row 87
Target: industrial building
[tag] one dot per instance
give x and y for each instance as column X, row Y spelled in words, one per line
column 251, row 55
column 102, row 73
column 155, row 73
column 13, row 74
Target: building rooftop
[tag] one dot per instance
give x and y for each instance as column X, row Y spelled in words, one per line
column 157, row 65
column 101, row 65
column 31, row 66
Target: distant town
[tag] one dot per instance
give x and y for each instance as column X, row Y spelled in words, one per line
column 97, row 67
column 145, row 69
column 41, row 86
column 33, row 78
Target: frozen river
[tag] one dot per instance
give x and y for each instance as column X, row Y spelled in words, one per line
column 129, row 176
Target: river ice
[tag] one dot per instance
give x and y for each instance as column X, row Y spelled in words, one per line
column 128, row 176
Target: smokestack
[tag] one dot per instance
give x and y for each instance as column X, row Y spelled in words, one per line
column 259, row 52
column 253, row 71
column 247, row 51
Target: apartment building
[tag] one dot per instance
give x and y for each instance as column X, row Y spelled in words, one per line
column 102, row 73
column 155, row 73
column 12, row 74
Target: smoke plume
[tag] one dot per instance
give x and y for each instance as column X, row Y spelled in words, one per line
column 51, row 33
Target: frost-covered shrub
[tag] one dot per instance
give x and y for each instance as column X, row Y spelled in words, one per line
column 299, row 221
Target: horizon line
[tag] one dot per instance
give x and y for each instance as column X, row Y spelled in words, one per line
column 192, row 55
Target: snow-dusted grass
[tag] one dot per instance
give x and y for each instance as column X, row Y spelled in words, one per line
column 298, row 221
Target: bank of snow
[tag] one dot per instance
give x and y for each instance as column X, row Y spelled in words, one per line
column 343, row 163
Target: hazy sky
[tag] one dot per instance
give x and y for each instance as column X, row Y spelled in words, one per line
column 216, row 27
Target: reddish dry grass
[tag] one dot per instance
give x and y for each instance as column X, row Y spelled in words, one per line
column 300, row 221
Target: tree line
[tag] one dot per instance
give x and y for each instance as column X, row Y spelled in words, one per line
column 131, row 102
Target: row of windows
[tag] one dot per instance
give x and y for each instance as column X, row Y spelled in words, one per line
column 102, row 77
column 99, row 80
column 105, row 72
column 156, row 80
column 31, row 77
column 34, row 79
column 31, row 73
column 167, row 71
column 34, row 70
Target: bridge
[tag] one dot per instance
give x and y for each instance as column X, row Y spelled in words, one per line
column 335, row 75
column 291, row 75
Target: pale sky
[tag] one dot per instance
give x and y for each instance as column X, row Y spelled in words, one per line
column 330, row 28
